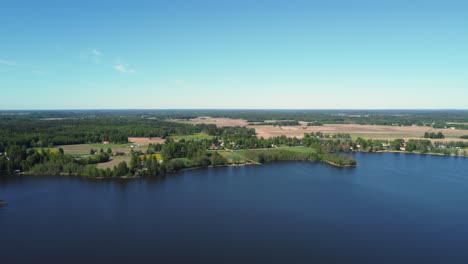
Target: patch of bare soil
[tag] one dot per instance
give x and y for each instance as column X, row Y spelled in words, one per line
column 145, row 140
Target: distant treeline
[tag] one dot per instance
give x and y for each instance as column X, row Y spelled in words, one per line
column 314, row 124
column 435, row 118
column 277, row 123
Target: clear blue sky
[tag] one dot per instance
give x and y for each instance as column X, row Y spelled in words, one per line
column 233, row 54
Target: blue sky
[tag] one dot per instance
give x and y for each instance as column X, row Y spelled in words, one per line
column 233, row 54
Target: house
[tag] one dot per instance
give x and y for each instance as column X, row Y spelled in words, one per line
column 105, row 142
column 214, row 146
column 403, row 147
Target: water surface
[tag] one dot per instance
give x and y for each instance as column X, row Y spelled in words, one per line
column 393, row 208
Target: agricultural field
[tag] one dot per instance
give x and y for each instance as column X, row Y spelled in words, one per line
column 365, row 131
column 113, row 162
column 220, row 122
column 199, row 136
column 83, row 149
column 143, row 141
column 355, row 130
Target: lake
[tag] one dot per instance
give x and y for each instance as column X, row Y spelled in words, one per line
column 392, row 208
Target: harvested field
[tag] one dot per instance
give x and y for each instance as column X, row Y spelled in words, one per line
column 145, row 140
column 355, row 130
column 221, row 122
column 113, row 162
column 365, row 131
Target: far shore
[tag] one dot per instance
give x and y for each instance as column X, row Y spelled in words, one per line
column 249, row 163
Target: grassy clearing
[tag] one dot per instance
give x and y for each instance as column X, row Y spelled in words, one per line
column 300, row 149
column 112, row 146
column 83, row 149
column 77, row 149
column 233, row 157
column 147, row 156
column 354, row 136
column 113, row 162
column 44, row 150
column 199, row 136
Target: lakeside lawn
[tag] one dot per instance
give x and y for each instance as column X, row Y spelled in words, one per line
column 299, row 149
column 233, row 157
column 245, row 155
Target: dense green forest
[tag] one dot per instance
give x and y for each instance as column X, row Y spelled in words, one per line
column 33, row 132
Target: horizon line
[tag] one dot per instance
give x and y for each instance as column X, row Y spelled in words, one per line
column 239, row 109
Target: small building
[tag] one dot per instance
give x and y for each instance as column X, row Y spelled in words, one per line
column 105, row 142
column 214, row 146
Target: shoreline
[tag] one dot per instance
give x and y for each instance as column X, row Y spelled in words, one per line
column 338, row 165
column 406, row 152
column 245, row 164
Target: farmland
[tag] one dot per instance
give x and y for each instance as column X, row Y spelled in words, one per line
column 84, row 149
column 198, row 136
column 115, row 160
column 384, row 132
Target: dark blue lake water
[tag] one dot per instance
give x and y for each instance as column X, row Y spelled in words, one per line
column 392, row 208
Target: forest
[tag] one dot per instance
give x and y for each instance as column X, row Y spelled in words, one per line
column 435, row 118
column 29, row 142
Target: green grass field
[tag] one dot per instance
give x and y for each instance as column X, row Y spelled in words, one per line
column 83, row 149
column 382, row 136
column 51, row 150
column 239, row 156
column 199, row 136
column 157, row 155
column 299, row 149
column 112, row 146
column 233, row 157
